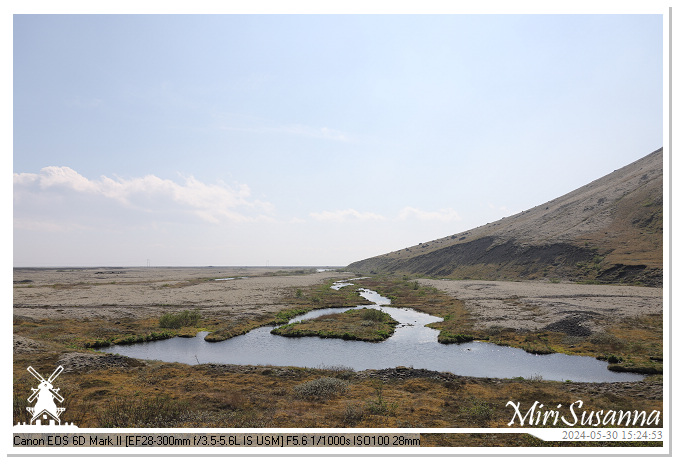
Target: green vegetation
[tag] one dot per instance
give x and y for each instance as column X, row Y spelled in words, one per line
column 636, row 343
column 284, row 316
column 301, row 302
column 227, row 330
column 379, row 406
column 375, row 315
column 456, row 326
column 129, row 339
column 446, row 337
column 632, row 345
column 479, row 412
column 187, row 318
column 366, row 324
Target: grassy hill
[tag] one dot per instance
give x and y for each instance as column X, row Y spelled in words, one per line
column 608, row 231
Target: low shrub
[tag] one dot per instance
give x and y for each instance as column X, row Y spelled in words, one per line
column 353, row 414
column 479, row 412
column 379, row 406
column 321, row 389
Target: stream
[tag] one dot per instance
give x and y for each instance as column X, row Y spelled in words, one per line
column 412, row 345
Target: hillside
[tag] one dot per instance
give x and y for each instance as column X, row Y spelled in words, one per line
column 609, row 231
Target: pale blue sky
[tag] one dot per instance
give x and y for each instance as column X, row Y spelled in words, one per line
column 312, row 140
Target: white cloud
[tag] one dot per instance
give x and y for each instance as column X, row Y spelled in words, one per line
column 405, row 214
column 213, row 203
column 25, row 178
column 346, row 215
column 444, row 214
column 54, row 176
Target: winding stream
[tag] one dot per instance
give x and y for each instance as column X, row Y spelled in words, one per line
column 412, row 345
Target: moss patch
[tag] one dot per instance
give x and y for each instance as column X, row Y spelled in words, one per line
column 366, row 324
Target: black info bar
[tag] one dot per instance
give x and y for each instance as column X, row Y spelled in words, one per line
column 149, row 440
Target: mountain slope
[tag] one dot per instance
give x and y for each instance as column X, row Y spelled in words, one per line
column 609, row 230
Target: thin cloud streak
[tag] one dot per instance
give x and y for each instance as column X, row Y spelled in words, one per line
column 407, row 213
column 299, row 130
column 346, row 215
column 444, row 214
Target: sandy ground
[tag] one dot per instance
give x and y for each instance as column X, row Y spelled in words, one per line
column 141, row 292
column 535, row 305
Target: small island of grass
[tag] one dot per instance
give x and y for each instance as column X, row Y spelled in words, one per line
column 365, row 324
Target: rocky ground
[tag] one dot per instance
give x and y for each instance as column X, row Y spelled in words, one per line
column 571, row 308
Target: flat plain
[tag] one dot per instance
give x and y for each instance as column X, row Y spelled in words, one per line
column 58, row 312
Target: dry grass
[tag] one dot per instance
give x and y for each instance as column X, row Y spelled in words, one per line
column 249, row 396
column 222, row 396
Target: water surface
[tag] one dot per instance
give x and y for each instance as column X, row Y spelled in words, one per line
column 412, row 345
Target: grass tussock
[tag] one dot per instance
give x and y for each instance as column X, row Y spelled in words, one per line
column 187, row 318
column 366, row 324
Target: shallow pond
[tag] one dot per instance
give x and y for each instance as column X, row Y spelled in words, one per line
column 412, row 345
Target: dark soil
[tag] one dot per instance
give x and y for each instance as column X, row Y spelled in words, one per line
column 571, row 325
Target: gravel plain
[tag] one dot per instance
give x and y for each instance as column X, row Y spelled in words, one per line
column 110, row 293
column 535, row 305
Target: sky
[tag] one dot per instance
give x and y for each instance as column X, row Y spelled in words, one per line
column 312, row 140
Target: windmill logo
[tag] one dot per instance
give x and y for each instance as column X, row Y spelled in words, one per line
column 46, row 398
